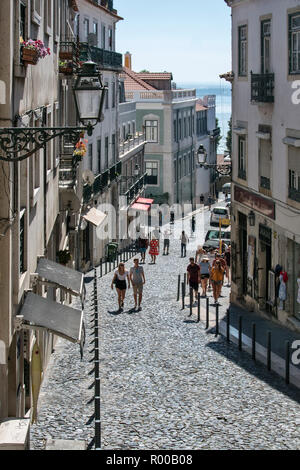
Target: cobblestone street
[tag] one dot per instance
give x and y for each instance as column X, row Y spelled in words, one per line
column 165, row 382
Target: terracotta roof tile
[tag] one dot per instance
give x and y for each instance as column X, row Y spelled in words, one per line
column 133, row 82
column 155, row 76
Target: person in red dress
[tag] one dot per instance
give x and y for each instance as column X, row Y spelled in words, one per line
column 154, row 249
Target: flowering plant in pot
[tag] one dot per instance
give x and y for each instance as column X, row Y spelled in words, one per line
column 32, row 51
column 80, row 149
column 66, row 67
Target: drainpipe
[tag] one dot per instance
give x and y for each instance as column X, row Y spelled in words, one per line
column 45, row 183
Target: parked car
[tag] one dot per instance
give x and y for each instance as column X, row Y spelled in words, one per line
column 215, row 234
column 215, row 244
column 220, row 213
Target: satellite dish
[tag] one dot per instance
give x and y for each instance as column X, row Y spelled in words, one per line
column 88, row 177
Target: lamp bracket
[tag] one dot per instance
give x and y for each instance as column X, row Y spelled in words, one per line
column 19, row 143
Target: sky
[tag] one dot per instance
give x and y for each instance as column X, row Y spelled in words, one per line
column 191, row 38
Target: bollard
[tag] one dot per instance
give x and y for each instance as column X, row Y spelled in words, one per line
column 101, row 267
column 184, row 278
column 207, row 313
column 183, row 294
column 253, row 341
column 97, row 412
column 217, row 320
column 105, row 266
column 198, row 307
column 178, row 288
column 240, row 332
column 269, row 344
column 228, row 326
column 110, row 266
column 287, row 362
column 191, row 302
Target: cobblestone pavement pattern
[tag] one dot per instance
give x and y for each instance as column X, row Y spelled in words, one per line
column 165, row 382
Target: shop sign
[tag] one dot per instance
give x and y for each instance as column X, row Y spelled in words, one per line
column 254, row 201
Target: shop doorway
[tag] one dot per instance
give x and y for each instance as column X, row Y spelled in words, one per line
column 243, row 251
column 265, row 262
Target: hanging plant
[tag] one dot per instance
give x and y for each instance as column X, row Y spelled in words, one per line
column 80, row 148
column 32, row 51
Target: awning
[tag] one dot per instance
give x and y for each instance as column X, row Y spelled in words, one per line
column 95, row 216
column 142, row 200
column 140, row 207
column 61, row 276
column 39, row 312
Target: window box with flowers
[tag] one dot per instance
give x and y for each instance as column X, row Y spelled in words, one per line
column 32, row 51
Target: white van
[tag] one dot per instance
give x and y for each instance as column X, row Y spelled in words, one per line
column 220, row 213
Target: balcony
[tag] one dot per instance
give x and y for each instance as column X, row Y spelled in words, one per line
column 262, row 88
column 68, row 57
column 109, row 60
column 131, row 143
column 137, row 187
column 67, row 171
column 294, row 194
column 265, row 183
column 165, row 96
column 102, row 182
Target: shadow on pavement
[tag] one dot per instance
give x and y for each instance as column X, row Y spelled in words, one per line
column 258, row 370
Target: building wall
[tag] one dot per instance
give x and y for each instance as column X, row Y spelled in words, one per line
column 283, row 119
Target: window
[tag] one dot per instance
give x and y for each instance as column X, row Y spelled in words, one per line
column 175, row 171
column 113, row 95
column 294, row 43
column 113, row 147
column 56, row 20
column 36, row 11
column 242, row 158
column 151, row 131
column 95, row 31
column 110, row 39
column 294, row 173
column 106, row 152
column 86, row 29
column 152, row 173
column 106, row 98
column 22, row 22
column 103, row 37
column 184, row 166
column 180, row 169
column 184, row 127
column 22, row 242
column 265, row 46
column 175, row 130
column 265, row 162
column 179, row 129
column 133, row 128
column 99, row 155
column 243, row 45
column 90, row 155
column 48, row 16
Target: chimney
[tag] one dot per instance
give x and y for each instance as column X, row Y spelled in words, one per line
column 128, row 60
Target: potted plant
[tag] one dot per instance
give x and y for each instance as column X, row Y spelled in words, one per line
column 66, row 54
column 32, row 51
column 64, row 256
column 65, row 67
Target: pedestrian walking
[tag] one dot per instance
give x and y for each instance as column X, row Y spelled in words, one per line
column 210, row 201
column 201, row 199
column 216, row 276
column 204, row 274
column 193, row 277
column 137, row 278
column 143, row 245
column 193, row 224
column 199, row 254
column 166, row 235
column 184, row 241
column 154, row 249
column 228, row 259
column 119, row 280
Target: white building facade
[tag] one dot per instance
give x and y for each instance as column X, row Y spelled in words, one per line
column 266, row 156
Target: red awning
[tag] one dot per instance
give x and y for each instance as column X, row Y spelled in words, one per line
column 142, row 200
column 140, row 207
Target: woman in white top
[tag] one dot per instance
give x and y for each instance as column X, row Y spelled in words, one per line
column 199, row 254
column 204, row 274
column 119, row 280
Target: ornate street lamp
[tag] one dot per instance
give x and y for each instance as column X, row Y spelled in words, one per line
column 224, row 169
column 19, row 143
column 89, row 95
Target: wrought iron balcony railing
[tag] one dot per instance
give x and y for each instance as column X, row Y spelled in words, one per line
column 265, row 182
column 107, row 59
column 262, row 87
column 137, row 186
column 131, row 142
column 102, row 182
column 294, row 194
column 67, row 171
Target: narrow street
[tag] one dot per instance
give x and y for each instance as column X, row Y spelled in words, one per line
column 165, row 382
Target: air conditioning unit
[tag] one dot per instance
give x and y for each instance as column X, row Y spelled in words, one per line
column 92, row 39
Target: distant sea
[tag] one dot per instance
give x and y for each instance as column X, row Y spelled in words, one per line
column 223, row 102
